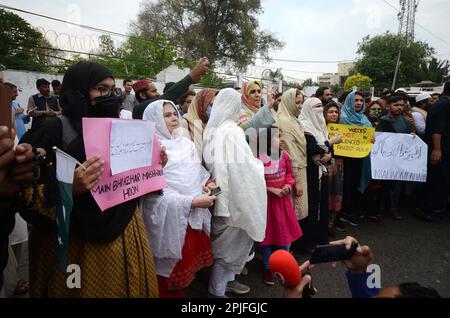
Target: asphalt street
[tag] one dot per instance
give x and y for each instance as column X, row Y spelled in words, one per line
column 407, row 251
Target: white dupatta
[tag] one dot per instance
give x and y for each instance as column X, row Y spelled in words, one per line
column 166, row 217
column 239, row 174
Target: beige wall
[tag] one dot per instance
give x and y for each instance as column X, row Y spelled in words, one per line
column 344, row 68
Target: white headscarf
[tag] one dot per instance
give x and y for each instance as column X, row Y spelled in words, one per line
column 239, row 174
column 166, row 217
column 313, row 120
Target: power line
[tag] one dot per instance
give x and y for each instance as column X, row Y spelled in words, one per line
column 310, row 62
column 80, row 25
column 143, row 39
column 64, row 21
column 289, row 70
column 419, row 25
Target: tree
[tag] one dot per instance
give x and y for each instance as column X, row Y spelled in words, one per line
column 335, row 89
column 378, row 59
column 359, row 81
column 134, row 59
column 144, row 59
column 212, row 80
column 223, row 30
column 21, row 46
column 435, row 71
column 62, row 67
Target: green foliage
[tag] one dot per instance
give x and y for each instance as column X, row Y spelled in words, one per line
column 362, row 82
column 378, row 59
column 435, row 71
column 134, row 59
column 211, row 80
column 335, row 89
column 21, row 46
column 224, row 31
column 61, row 67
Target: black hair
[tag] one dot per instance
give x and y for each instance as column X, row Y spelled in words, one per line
column 183, row 98
column 327, row 107
column 41, row 81
column 386, row 92
column 395, row 98
column 415, row 290
column 266, row 135
column 10, row 85
column 168, row 86
column 342, row 98
column 138, row 97
column 446, row 89
column 278, row 95
column 404, row 95
column 56, row 83
column 361, row 93
column 321, row 91
column 332, row 103
column 125, row 81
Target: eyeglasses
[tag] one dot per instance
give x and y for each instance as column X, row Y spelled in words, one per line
column 107, row 92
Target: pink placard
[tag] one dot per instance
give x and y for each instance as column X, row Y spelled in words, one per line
column 114, row 190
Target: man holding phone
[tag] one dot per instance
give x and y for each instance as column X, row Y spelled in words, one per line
column 357, row 277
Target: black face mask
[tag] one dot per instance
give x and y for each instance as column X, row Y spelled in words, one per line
column 105, row 107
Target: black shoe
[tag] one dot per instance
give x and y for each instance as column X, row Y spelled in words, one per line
column 396, row 215
column 374, row 218
column 350, row 219
column 429, row 217
column 339, row 225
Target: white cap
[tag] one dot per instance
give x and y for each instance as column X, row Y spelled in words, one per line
column 422, row 97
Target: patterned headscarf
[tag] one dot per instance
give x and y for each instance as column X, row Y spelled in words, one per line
column 203, row 99
column 246, row 88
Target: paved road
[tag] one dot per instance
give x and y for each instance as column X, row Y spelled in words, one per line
column 407, row 251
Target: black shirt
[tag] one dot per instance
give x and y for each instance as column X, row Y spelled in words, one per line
column 176, row 91
column 438, row 122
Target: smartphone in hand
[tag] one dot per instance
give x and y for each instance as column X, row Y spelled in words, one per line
column 332, row 253
column 216, row 191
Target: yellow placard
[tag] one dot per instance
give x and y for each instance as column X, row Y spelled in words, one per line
column 356, row 140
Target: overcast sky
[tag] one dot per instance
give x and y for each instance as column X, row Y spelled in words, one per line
column 322, row 30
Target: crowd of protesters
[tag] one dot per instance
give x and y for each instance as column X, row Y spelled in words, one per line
column 281, row 185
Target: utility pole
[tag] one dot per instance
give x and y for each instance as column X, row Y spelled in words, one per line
column 406, row 28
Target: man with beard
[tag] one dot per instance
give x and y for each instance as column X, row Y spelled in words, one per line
column 324, row 94
column 394, row 122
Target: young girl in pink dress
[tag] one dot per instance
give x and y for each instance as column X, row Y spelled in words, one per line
column 282, row 226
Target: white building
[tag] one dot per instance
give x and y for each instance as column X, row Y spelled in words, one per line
column 344, row 71
column 328, row 79
column 171, row 74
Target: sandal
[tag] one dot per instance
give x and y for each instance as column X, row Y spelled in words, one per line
column 22, row 288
